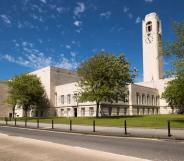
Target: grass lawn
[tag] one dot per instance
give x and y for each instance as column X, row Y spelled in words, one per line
column 151, row 121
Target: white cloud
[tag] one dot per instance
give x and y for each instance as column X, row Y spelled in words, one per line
column 138, row 20
column 77, row 23
column 5, row 19
column 125, row 9
column 73, row 54
column 68, row 46
column 149, row 1
column 80, row 8
column 60, row 9
column 105, row 14
column 43, row 1
column 37, row 60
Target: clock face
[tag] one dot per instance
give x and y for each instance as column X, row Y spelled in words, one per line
column 149, row 39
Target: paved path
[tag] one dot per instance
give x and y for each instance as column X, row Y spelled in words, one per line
column 116, row 131
column 155, row 150
column 20, row 149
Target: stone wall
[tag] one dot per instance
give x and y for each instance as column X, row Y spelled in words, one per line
column 5, row 109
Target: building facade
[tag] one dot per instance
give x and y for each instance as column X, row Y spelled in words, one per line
column 144, row 97
column 5, row 109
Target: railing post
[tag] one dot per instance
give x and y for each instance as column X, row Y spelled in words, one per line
column 125, row 126
column 94, row 126
column 169, row 128
column 52, row 124
column 38, row 123
column 25, row 122
column 70, row 125
column 15, row 122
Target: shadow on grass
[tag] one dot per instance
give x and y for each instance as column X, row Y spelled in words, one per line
column 178, row 121
column 118, row 117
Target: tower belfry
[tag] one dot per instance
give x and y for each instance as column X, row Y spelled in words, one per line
column 152, row 48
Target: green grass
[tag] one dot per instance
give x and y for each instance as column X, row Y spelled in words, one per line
column 152, row 121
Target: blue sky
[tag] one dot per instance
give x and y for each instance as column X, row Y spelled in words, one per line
column 38, row 33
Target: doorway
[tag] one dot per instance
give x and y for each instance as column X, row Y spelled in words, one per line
column 75, row 112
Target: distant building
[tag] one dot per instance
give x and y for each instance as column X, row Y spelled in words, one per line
column 5, row 109
column 144, row 97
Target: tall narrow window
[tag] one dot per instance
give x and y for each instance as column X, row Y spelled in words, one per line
column 153, row 100
column 91, row 111
column 149, row 26
column 137, row 98
column 68, row 98
column 82, row 111
column 56, row 99
column 148, row 99
column 143, row 99
column 62, row 99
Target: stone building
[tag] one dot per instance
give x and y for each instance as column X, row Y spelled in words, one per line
column 144, row 97
column 5, row 109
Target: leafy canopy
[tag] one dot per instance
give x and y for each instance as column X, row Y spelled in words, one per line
column 174, row 92
column 175, row 49
column 104, row 77
column 27, row 91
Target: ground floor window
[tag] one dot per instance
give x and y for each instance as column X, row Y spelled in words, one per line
column 91, row 111
column 62, row 112
column 68, row 111
column 137, row 111
column 82, row 111
column 125, row 111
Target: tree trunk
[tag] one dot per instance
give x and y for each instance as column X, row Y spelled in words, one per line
column 97, row 108
column 26, row 113
column 13, row 110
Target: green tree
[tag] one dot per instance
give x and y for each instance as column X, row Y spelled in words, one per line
column 174, row 92
column 27, row 91
column 175, row 50
column 104, row 77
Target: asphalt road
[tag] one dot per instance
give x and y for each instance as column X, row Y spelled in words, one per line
column 157, row 150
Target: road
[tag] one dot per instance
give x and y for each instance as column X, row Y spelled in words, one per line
column 157, row 150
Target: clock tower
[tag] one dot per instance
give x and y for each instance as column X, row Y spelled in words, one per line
column 152, row 48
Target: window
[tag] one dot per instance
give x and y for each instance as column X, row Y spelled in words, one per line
column 153, row 100
column 62, row 99
column 143, row 99
column 68, row 111
column 148, row 99
column 56, row 99
column 137, row 98
column 68, row 99
column 91, row 111
column 157, row 100
column 82, row 111
column 158, row 26
column 62, row 112
column 149, row 26
column 137, row 111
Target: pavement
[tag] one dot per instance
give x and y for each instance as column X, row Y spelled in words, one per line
column 103, row 147
column 13, row 148
column 113, row 131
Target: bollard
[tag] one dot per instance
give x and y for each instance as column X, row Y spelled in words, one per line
column 94, row 126
column 38, row 121
column 125, row 126
column 52, row 124
column 26, row 122
column 70, row 125
column 169, row 129
column 15, row 122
